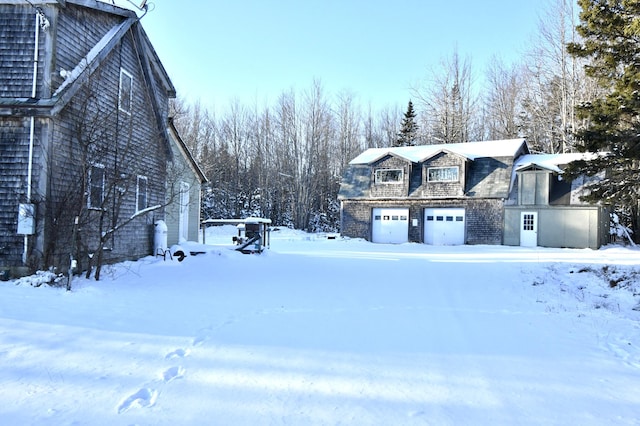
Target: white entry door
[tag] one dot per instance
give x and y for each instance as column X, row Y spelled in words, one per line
column 184, row 212
column 390, row 225
column 444, row 227
column 529, row 229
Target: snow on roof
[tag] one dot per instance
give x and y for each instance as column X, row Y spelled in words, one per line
column 469, row 150
column 550, row 162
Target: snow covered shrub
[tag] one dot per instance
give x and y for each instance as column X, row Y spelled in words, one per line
column 40, row 278
column 617, row 229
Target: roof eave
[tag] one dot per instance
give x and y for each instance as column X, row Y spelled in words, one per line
column 25, row 107
column 155, row 61
column 186, row 152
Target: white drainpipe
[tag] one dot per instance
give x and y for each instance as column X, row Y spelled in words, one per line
column 40, row 20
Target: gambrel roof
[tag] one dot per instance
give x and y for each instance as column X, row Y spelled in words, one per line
column 487, row 176
column 468, row 150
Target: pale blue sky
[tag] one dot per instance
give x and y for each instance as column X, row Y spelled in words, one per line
column 253, row 50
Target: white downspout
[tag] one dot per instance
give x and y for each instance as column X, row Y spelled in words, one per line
column 45, row 23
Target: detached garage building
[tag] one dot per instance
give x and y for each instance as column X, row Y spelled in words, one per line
column 492, row 192
column 434, row 194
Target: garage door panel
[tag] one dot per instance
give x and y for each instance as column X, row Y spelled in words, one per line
column 444, row 226
column 390, row 225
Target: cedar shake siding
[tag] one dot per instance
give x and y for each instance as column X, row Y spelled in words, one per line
column 484, row 218
column 85, row 114
column 391, row 188
column 16, row 50
column 432, row 188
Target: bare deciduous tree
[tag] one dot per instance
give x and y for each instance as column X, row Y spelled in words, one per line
column 555, row 82
column 503, row 100
column 449, row 101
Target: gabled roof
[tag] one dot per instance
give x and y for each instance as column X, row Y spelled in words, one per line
column 99, row 52
column 550, row 162
column 469, row 150
column 153, row 71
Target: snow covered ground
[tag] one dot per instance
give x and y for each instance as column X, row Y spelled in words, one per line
column 330, row 331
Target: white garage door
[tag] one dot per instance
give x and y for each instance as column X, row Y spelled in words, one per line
column 443, row 227
column 390, row 226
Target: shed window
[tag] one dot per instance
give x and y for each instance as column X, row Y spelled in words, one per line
column 389, row 175
column 125, row 92
column 141, row 193
column 95, row 184
column 442, row 174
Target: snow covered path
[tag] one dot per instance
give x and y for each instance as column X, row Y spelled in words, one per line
column 327, row 332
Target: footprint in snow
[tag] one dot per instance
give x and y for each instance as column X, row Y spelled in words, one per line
column 205, row 334
column 199, row 340
column 142, row 398
column 178, row 353
column 172, row 374
column 202, row 336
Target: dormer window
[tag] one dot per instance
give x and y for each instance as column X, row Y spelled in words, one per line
column 384, row 176
column 442, row 174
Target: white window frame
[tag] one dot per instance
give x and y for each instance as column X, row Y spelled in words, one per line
column 443, row 176
column 125, row 106
column 381, row 181
column 139, row 194
column 92, row 204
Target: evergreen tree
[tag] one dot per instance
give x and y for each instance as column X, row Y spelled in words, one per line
column 610, row 31
column 409, row 130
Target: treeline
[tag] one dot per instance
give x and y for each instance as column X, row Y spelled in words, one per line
column 284, row 161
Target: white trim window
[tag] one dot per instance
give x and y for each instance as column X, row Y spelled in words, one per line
column 389, row 176
column 142, row 189
column 95, row 185
column 125, row 92
column 442, row 174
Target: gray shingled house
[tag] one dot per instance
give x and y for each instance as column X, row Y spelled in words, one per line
column 84, row 142
column 450, row 194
